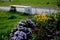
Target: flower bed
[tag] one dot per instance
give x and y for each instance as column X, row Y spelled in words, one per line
column 49, row 26
column 40, row 27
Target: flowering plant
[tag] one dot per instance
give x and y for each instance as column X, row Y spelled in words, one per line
column 46, row 24
column 40, row 19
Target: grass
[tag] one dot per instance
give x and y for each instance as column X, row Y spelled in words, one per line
column 7, row 24
column 35, row 3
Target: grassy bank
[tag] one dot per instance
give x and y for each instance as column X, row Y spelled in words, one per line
column 38, row 3
column 7, row 22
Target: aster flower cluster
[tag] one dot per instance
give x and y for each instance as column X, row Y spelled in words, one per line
column 23, row 31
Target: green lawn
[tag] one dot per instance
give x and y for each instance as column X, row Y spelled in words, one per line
column 37, row 3
column 7, row 24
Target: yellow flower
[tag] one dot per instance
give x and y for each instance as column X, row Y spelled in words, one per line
column 40, row 17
